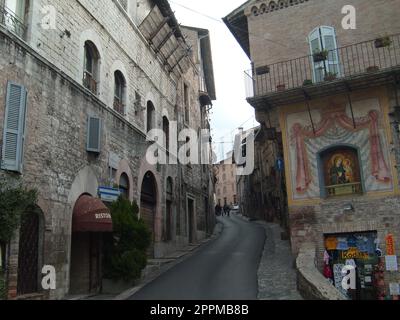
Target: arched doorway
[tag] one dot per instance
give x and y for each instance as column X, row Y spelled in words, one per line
column 148, row 205
column 91, row 220
column 30, row 241
column 124, row 185
column 169, row 212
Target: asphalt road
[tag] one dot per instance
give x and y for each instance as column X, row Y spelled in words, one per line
column 225, row 269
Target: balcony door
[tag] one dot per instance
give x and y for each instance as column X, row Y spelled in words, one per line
column 17, row 8
column 321, row 39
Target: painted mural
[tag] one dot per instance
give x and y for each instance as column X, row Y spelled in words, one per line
column 335, row 127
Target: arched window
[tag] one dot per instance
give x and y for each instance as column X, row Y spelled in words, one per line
column 124, row 185
column 323, row 46
column 166, row 132
column 169, row 213
column 341, row 172
column 150, row 116
column 91, row 67
column 14, row 15
column 119, row 92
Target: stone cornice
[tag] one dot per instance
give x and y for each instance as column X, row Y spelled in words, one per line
column 266, row 7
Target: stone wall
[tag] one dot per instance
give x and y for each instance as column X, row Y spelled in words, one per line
column 310, row 282
column 57, row 164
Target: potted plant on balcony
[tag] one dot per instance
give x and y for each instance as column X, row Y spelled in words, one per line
column 319, row 56
column 373, row 69
column 281, row 87
column 330, row 76
column 383, row 42
column 307, row 82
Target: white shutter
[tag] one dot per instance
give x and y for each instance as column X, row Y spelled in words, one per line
column 14, row 128
column 94, row 129
column 329, row 43
column 314, row 40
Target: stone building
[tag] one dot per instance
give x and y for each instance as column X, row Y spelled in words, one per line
column 83, row 82
column 226, row 187
column 332, row 92
column 261, row 194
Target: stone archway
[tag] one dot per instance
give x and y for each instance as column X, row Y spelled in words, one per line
column 149, row 204
column 30, row 255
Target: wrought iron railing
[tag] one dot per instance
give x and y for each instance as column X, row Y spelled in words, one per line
column 89, row 82
column 119, row 106
column 11, row 21
column 369, row 56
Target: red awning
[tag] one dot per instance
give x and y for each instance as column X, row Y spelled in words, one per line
column 91, row 215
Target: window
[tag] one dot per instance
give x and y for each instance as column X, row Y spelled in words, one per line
column 119, row 92
column 12, row 15
column 150, row 116
column 14, row 128
column 91, row 67
column 166, row 132
column 324, row 39
column 341, row 172
column 94, row 128
column 124, row 185
column 186, row 102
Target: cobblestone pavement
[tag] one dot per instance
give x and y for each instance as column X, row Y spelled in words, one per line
column 277, row 277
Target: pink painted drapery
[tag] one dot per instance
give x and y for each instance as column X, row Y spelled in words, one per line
column 380, row 169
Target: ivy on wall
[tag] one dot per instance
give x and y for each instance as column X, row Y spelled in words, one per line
column 14, row 202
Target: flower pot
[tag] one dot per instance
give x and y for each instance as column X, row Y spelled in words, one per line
column 320, row 56
column 330, row 77
column 382, row 42
column 281, row 87
column 373, row 69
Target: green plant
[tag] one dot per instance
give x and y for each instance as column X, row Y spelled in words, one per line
column 320, row 55
column 126, row 251
column 330, row 76
column 3, row 294
column 307, row 82
column 14, row 202
column 383, row 42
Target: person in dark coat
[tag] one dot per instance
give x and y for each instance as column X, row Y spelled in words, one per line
column 218, row 210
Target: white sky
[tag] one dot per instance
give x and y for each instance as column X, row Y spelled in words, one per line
column 231, row 109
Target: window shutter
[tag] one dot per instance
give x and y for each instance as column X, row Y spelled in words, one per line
column 94, row 134
column 330, row 43
column 14, row 128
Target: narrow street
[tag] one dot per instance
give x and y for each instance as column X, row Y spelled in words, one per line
column 225, row 269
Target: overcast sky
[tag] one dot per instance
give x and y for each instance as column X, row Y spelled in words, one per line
column 231, row 109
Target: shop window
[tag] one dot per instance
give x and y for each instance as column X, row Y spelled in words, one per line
column 359, row 250
column 341, row 172
column 91, row 67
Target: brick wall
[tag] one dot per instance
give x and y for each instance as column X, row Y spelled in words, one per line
column 281, row 34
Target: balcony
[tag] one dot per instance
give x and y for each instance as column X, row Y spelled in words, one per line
column 89, row 82
column 11, row 21
column 119, row 106
column 358, row 66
